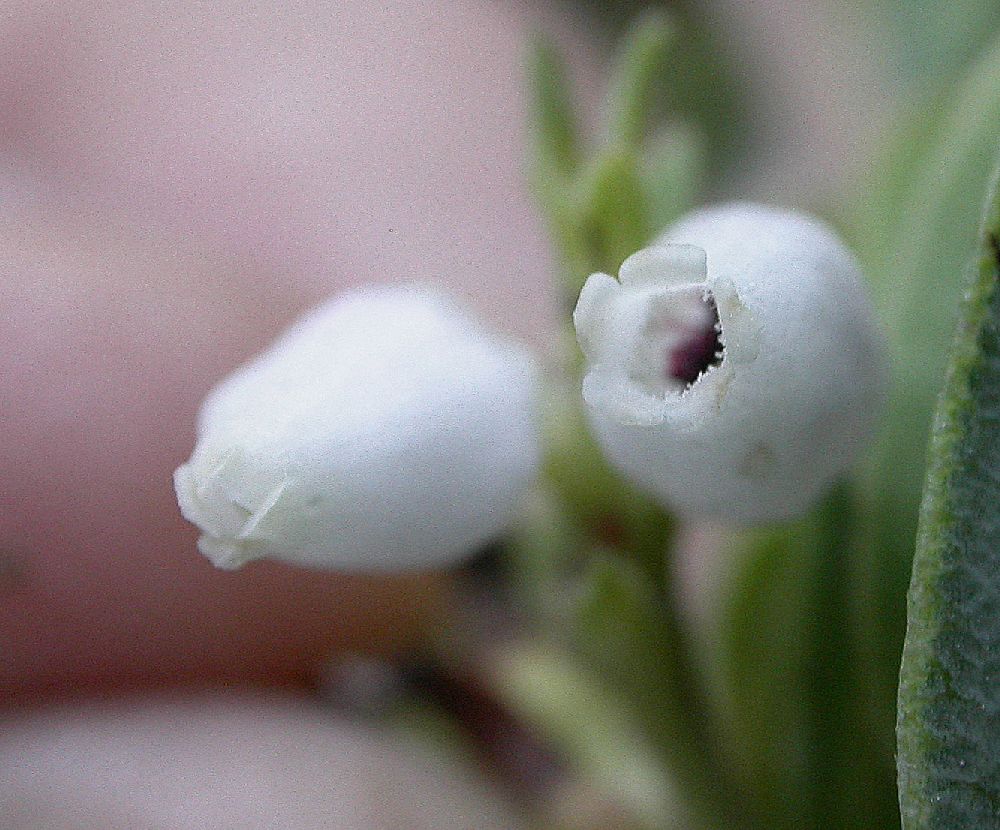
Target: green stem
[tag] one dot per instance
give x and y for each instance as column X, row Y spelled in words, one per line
column 711, row 783
column 637, row 639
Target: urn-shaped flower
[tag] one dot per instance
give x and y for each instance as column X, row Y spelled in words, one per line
column 735, row 368
column 386, row 430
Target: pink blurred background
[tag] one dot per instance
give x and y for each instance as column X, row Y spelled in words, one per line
column 178, row 181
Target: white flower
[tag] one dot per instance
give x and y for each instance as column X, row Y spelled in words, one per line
column 386, row 430
column 736, row 368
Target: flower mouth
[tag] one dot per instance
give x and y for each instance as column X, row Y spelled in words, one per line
column 651, row 336
column 697, row 350
column 678, row 340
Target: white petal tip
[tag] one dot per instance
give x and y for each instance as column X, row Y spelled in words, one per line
column 226, row 554
column 665, row 264
column 589, row 316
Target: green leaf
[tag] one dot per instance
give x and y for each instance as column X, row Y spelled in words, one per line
column 703, row 83
column 540, row 550
column 672, row 170
column 603, row 206
column 914, row 232
column 554, row 159
column 589, row 726
column 560, row 204
column 635, row 642
column 918, row 280
column 797, row 716
column 850, row 767
column 763, row 648
column 949, row 694
column 555, row 134
column 616, row 222
column 642, row 58
column 602, row 505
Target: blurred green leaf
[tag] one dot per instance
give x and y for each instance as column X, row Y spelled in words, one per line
column 540, row 551
column 603, row 208
column 914, row 237
column 949, row 695
column 671, row 172
column 555, row 134
column 617, row 216
column 609, row 511
column 554, row 157
column 632, row 639
column 701, row 84
column 590, row 728
column 763, row 649
column 642, row 58
column 795, row 708
column 924, row 240
column 564, row 214
column 850, row 766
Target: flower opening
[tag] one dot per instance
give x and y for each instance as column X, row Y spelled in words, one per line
column 734, row 368
column 698, row 349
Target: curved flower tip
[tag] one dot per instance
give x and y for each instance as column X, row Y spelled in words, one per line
column 735, row 368
column 386, row 430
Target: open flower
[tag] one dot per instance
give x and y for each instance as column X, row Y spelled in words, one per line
column 386, row 430
column 735, row 368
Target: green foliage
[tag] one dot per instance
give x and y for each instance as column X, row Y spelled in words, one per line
column 799, row 730
column 916, row 255
column 574, row 713
column 949, row 696
column 605, row 509
column 914, row 231
column 636, row 644
column 614, row 220
column 642, row 58
column 555, row 134
column 762, row 658
column 602, row 206
column 796, row 712
column 701, row 84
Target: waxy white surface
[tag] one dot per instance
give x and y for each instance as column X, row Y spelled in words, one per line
column 796, row 395
column 386, row 430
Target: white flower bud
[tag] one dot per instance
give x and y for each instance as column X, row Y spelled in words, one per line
column 386, row 430
column 736, row 368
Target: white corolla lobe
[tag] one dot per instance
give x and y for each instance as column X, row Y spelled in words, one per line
column 735, row 368
column 386, row 430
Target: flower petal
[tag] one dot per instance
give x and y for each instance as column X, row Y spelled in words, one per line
column 386, row 430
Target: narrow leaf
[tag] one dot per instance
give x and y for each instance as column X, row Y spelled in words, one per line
column 643, row 57
column 917, row 224
column 554, row 159
column 617, row 219
column 551, row 117
column 635, row 643
column 797, row 717
column 603, row 506
column 672, row 171
column 949, row 694
column 594, row 733
column 918, row 280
